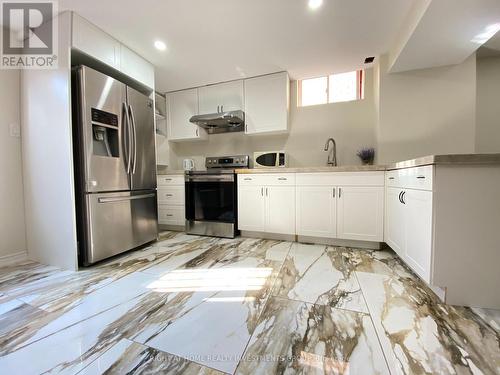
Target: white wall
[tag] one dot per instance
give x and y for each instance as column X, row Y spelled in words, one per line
column 488, row 105
column 12, row 228
column 425, row 112
column 48, row 159
column 352, row 124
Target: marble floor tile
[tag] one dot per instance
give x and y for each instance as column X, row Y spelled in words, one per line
column 128, row 357
column 295, row 337
column 319, row 274
column 67, row 351
column 490, row 316
column 26, row 324
column 419, row 335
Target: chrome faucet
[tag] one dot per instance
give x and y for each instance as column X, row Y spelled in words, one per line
column 332, row 156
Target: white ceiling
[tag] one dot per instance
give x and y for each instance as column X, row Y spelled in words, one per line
column 219, row 40
column 447, row 33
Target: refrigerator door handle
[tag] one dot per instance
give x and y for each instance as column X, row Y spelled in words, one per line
column 135, row 138
column 123, row 199
column 126, row 136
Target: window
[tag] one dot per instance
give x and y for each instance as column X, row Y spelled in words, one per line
column 335, row 88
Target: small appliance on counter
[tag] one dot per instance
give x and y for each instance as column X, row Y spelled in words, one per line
column 270, row 159
column 211, row 200
column 188, row 164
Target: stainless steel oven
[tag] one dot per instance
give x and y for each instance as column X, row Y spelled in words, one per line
column 211, row 197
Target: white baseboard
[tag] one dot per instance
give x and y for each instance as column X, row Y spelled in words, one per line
column 7, row 260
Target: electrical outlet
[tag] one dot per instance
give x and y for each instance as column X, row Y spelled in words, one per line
column 15, row 130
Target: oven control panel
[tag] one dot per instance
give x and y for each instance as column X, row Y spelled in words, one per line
column 238, row 161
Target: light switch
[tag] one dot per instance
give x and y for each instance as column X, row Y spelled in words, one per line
column 15, row 130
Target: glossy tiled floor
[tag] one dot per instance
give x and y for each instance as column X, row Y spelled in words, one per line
column 195, row 305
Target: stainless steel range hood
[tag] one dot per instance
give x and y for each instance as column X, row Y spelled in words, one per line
column 223, row 122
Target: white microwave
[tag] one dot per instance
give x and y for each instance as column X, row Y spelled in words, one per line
column 270, row 159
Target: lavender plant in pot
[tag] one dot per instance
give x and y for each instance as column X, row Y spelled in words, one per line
column 367, row 155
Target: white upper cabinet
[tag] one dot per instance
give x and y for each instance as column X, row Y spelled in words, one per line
column 316, row 211
column 136, row 67
column 94, row 42
column 267, row 102
column 181, row 105
column 360, row 213
column 222, row 97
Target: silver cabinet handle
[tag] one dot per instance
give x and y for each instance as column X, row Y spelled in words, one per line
column 169, row 195
column 222, row 108
column 340, row 192
column 247, row 179
column 218, row 109
column 266, row 192
column 391, row 178
column 262, row 191
column 196, row 132
column 123, row 199
column 169, row 215
column 420, row 177
column 334, row 192
column 168, row 179
column 282, row 179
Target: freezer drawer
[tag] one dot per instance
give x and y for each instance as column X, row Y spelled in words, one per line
column 117, row 222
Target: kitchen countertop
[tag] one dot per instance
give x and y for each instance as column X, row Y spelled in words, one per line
column 450, row 159
column 343, row 168
column 171, row 172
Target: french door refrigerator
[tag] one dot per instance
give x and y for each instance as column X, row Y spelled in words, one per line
column 115, row 165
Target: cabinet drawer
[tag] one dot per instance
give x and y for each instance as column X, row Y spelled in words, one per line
column 370, row 178
column 269, row 179
column 171, row 180
column 171, row 195
column 171, row 215
column 411, row 178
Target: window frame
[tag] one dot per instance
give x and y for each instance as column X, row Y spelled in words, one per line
column 360, row 89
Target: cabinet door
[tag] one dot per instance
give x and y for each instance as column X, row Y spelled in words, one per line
column 94, row 42
column 181, row 105
column 136, row 67
column 280, row 209
column 316, row 211
column 394, row 229
column 418, row 234
column 267, row 104
column 360, row 213
column 227, row 96
column 251, row 208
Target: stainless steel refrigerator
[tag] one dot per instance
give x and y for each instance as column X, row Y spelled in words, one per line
column 115, row 165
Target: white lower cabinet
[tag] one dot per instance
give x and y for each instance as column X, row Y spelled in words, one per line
column 409, row 219
column 394, row 222
column 280, row 209
column 418, row 236
column 171, row 201
column 251, row 208
column 266, row 203
column 330, row 205
column 316, row 211
column 360, row 213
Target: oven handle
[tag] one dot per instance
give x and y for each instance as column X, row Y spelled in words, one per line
column 208, row 178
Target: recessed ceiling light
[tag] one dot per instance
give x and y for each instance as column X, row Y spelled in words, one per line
column 315, row 4
column 160, row 45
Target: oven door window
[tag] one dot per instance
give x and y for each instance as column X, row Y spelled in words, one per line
column 210, row 201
